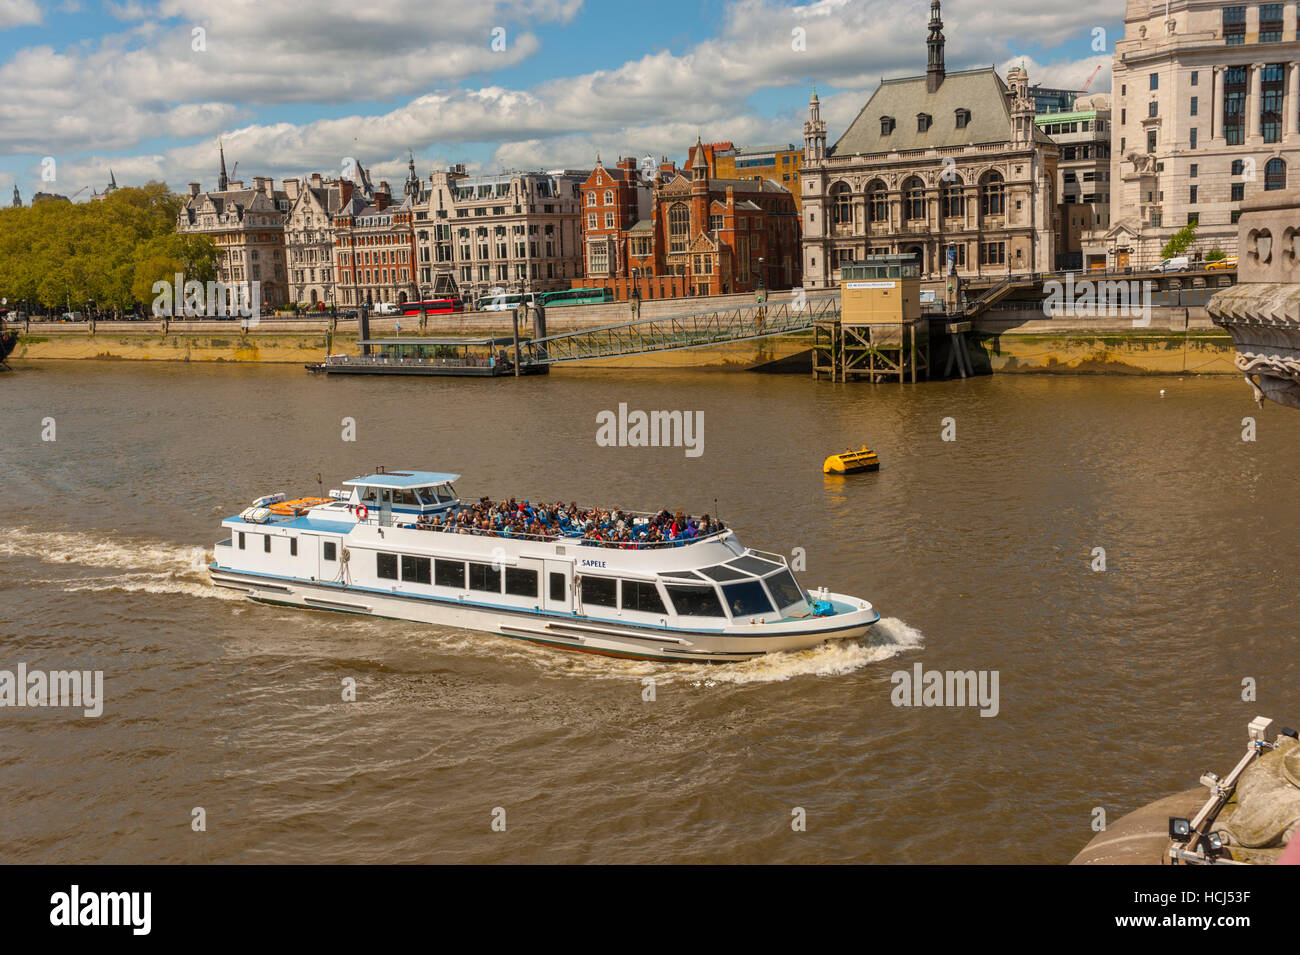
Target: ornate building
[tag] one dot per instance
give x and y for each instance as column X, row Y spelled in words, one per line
column 948, row 167
column 247, row 226
column 374, row 250
column 309, row 235
column 701, row 235
column 1206, row 97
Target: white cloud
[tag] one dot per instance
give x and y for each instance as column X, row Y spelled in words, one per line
column 17, row 13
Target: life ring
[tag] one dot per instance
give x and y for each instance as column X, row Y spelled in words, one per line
column 362, row 512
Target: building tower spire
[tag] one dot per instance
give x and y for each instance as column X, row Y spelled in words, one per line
column 17, row 199
column 412, row 180
column 934, row 62
column 222, row 179
column 814, row 132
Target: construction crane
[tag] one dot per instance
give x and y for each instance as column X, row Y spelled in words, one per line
column 1090, row 79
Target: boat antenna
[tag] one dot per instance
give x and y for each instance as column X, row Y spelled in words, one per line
column 320, row 485
column 716, row 512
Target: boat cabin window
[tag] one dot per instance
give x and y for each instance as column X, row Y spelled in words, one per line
column 370, row 496
column 266, row 543
column 694, row 601
column 484, row 577
column 747, row 598
column 755, row 565
column 521, row 582
column 722, row 573
column 416, row 570
column 386, row 566
column 784, row 589
column 293, row 547
column 449, row 573
column 557, row 586
column 600, row 591
column 241, row 540
column 642, row 595
column 329, row 551
column 404, row 497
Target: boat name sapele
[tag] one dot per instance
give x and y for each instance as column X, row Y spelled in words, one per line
column 403, row 545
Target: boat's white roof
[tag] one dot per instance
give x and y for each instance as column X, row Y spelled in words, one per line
column 404, row 479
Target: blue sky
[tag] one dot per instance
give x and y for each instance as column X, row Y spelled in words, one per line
column 295, row 88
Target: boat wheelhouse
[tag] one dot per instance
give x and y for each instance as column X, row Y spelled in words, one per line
column 419, row 355
column 403, row 545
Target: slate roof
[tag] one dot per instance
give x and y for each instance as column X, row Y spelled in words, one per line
column 981, row 91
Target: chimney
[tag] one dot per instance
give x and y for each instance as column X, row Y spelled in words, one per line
column 383, row 196
column 194, row 188
column 315, row 180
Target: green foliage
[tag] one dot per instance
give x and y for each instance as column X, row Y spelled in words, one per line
column 1180, row 241
column 58, row 255
column 1216, row 254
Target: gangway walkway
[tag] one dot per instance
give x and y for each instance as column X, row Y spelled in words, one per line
column 691, row 330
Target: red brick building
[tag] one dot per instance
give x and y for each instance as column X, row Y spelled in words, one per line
column 687, row 233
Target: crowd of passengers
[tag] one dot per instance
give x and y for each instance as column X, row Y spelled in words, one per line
column 603, row 528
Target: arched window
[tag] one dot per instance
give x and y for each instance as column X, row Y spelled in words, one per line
column 679, row 227
column 591, row 198
column 609, row 197
column 877, row 202
column 1274, row 174
column 952, row 199
column 841, row 204
column 993, row 195
column 914, row 199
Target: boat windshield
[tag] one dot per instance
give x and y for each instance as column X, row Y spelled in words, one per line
column 784, row 589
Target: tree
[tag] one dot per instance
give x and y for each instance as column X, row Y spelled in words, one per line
column 1216, row 254
column 1180, row 241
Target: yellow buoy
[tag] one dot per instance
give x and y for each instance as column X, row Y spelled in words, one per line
column 852, row 462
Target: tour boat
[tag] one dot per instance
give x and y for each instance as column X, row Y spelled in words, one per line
column 402, row 545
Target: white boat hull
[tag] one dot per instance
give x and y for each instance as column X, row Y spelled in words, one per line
column 566, row 631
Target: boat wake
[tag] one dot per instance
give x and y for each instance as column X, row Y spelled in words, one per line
column 143, row 566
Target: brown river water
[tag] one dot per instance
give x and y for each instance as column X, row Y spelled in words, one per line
column 1115, row 686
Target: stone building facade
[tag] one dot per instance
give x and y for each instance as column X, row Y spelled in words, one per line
column 374, row 250
column 515, row 231
column 309, row 236
column 1082, row 133
column 247, row 226
column 948, row 167
column 1207, row 109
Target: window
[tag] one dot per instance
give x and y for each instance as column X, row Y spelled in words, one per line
column 266, row 543
column 914, row 199
column 952, row 199
column 1191, row 196
column 1191, row 172
column 557, row 586
column 1270, row 23
column 1272, row 83
column 923, row 122
column 1154, row 81
column 877, row 202
column 609, row 220
column 715, row 223
column 484, row 577
column 886, row 125
column 609, row 197
column 841, row 204
column 599, row 591
column 1195, row 76
column 1193, row 218
column 1274, row 175
column 1151, row 140
column 1238, row 166
column 591, row 198
column 241, row 540
column 992, row 195
column 963, row 118
column 1191, row 138
column 679, row 226
column 293, row 547
column 449, row 573
column 386, row 566
column 1192, row 105
column 1234, row 25
column 694, row 600
column 416, row 569
column 993, row 253
column 1153, row 109
column 642, row 596
column 746, row 598
column 591, row 222
column 329, row 551
column 521, row 582
column 1238, row 191
column 784, row 589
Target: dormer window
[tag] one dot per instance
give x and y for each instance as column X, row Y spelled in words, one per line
column 963, row 118
column 923, row 121
column 886, row 125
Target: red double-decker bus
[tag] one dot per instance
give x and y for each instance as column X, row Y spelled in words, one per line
column 433, row 306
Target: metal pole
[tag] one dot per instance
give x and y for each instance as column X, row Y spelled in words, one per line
column 514, row 313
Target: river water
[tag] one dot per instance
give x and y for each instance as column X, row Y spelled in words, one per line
column 1116, row 686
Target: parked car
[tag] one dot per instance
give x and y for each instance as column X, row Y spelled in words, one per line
column 1228, row 262
column 386, row 308
column 72, row 317
column 1179, row 263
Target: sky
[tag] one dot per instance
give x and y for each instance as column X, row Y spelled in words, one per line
column 147, row 89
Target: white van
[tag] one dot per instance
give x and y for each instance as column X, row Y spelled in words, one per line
column 385, row 308
column 1179, row 263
